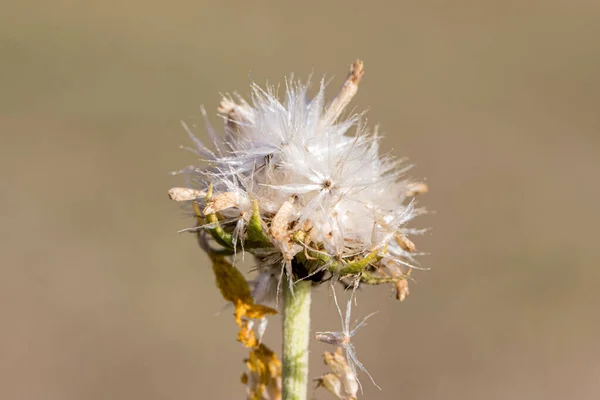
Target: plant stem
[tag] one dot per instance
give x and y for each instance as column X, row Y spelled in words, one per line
column 296, row 331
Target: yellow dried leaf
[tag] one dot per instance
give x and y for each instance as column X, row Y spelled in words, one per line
column 235, row 288
column 230, row 281
column 257, row 311
column 264, row 377
column 246, row 336
column 341, row 381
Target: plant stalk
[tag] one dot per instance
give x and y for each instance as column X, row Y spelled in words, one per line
column 296, row 332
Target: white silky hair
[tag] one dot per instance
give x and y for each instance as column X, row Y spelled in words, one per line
column 352, row 197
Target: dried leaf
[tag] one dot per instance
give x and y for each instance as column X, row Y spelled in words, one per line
column 263, row 381
column 246, row 336
column 235, row 288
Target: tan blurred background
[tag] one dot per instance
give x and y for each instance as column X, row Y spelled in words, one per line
column 496, row 102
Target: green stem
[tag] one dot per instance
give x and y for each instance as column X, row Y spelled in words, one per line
column 296, row 332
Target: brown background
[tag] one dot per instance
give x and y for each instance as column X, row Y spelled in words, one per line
column 496, row 102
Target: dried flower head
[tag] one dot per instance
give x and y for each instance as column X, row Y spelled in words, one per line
column 322, row 201
column 303, row 187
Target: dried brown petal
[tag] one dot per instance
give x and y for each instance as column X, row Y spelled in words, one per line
column 346, row 93
column 185, row 194
column 405, row 243
column 220, row 202
column 402, row 289
column 281, row 220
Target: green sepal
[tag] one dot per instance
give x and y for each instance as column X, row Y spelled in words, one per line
column 358, row 266
column 371, row 278
column 255, row 235
column 336, row 266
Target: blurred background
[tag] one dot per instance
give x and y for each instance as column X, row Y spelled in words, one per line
column 496, row 103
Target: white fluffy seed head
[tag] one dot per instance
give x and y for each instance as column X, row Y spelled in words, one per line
column 299, row 154
column 307, row 191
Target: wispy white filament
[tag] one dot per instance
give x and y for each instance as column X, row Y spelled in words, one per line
column 327, row 174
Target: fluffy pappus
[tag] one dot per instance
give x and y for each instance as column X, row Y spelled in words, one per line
column 353, row 199
column 304, row 188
